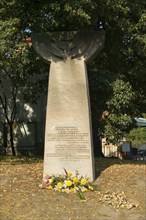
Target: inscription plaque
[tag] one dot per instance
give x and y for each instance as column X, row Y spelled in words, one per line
column 69, row 144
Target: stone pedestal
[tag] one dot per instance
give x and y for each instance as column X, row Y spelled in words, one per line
column 68, row 135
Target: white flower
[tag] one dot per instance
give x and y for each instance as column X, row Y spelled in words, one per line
column 67, row 190
column 41, row 186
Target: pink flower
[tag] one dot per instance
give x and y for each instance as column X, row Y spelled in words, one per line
column 41, row 186
column 45, row 185
column 45, row 180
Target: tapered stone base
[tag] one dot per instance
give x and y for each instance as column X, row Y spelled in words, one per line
column 68, row 135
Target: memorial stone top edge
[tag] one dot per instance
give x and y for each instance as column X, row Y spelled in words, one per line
column 57, row 46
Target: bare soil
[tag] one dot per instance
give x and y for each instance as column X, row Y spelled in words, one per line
column 121, row 194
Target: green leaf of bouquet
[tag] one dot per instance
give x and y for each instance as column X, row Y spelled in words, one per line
column 81, row 195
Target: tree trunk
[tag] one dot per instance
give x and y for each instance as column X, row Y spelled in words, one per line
column 12, row 139
column 97, row 143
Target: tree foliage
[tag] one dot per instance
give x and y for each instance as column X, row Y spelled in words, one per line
column 117, row 78
column 137, row 136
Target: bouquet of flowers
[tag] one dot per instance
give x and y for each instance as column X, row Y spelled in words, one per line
column 67, row 183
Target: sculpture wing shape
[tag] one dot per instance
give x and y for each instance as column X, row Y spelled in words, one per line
column 63, row 45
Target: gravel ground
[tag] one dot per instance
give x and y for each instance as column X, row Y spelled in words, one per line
column 121, row 194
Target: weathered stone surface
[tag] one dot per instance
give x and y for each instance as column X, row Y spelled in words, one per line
column 68, row 136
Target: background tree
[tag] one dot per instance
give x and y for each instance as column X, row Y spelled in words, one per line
column 137, row 136
column 16, row 82
column 9, row 105
column 117, row 78
column 18, row 66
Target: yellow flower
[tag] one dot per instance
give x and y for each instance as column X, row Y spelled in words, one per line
column 71, row 190
column 75, row 180
column 68, row 183
column 49, row 187
column 84, row 181
column 76, row 188
column 57, row 190
column 84, row 189
column 90, row 188
column 69, row 174
column 59, row 184
column 50, row 181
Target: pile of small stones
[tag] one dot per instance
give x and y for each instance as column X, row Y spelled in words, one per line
column 117, row 200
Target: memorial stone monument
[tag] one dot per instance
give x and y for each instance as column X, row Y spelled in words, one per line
column 68, row 134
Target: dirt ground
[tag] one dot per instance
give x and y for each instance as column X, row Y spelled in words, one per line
column 121, row 194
